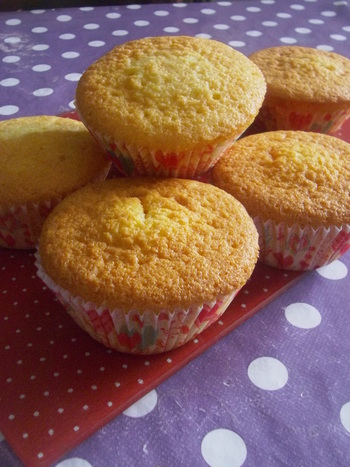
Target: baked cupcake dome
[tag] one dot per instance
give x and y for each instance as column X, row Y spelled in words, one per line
column 42, row 159
column 296, row 187
column 169, row 105
column 143, row 265
column 307, row 89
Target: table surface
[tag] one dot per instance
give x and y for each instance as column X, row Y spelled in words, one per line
column 273, row 392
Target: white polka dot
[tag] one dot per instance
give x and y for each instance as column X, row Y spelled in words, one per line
column 288, row 40
column 8, row 82
column 237, row 43
column 345, row 416
column 96, row 44
column 11, row 59
column 316, row 21
column 42, row 67
column 269, row 24
column 120, row 32
column 67, row 36
column 298, row 7
column 302, row 30
column 74, row 462
column 190, row 20
column 39, row 30
column 91, row 26
column 223, row 448
column 221, row 27
column 253, row 9
column 203, row 35
column 12, row 40
column 86, row 8
column 284, row 15
column 208, row 11
column 113, row 15
column 37, row 12
column 171, row 29
column 73, row 76
column 338, row 37
column 346, row 28
column 40, row 47
column 325, row 47
column 9, row 109
column 143, row 407
column 254, row 33
column 161, row 13
column 238, row 18
column 141, row 23
column 334, row 271
column 70, row 54
column 268, row 373
column 134, row 7
column 13, row 22
column 328, row 14
column 64, row 18
column 302, row 315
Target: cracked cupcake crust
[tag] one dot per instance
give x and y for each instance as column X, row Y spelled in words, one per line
column 149, row 244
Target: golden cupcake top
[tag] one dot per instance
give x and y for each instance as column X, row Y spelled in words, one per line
column 170, row 92
column 304, row 74
column 45, row 157
column 149, row 244
column 289, row 176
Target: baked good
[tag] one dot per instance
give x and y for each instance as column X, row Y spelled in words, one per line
column 144, row 264
column 42, row 159
column 296, row 186
column 169, row 105
column 307, row 89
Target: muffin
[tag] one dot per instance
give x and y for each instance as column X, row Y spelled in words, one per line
column 296, row 186
column 307, row 89
column 169, row 106
column 145, row 264
column 42, row 159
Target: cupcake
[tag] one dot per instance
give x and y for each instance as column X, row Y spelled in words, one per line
column 169, row 106
column 307, row 89
column 42, row 159
column 145, row 264
column 296, row 186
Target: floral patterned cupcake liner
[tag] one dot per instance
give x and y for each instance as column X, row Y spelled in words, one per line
column 278, row 117
column 135, row 332
column 300, row 248
column 133, row 161
column 20, row 226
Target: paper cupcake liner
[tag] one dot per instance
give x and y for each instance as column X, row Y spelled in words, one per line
column 137, row 332
column 279, row 117
column 133, row 161
column 300, row 249
column 20, row 226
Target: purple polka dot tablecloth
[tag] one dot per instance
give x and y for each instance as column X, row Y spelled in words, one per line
column 276, row 390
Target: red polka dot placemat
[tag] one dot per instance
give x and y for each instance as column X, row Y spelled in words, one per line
column 58, row 386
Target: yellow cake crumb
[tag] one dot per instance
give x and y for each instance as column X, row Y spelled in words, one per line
column 149, row 244
column 289, row 176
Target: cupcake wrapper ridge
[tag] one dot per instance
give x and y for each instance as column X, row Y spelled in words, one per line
column 137, row 332
column 131, row 160
column 278, row 117
column 20, row 226
column 300, row 249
